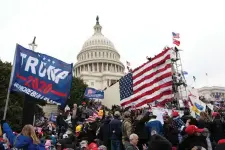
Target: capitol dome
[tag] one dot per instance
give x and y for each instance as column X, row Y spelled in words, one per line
column 98, row 62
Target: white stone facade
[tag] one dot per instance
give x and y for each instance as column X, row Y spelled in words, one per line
column 212, row 93
column 98, row 63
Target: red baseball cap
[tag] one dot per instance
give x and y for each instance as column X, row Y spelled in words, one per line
column 175, row 114
column 214, row 114
column 222, row 141
column 191, row 129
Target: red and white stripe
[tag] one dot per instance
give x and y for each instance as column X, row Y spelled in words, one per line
column 92, row 118
column 152, row 81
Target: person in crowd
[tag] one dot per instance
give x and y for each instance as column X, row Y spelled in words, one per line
column 220, row 145
column 204, row 121
column 60, row 123
column 158, row 142
column 154, row 126
column 178, row 124
column 141, row 130
column 27, row 139
column 115, row 132
column 193, row 138
column 170, row 132
column 74, row 116
column 126, row 127
column 218, row 128
column 104, row 132
column 68, row 141
column 187, row 115
column 132, row 145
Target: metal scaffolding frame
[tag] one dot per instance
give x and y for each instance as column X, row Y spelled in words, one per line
column 180, row 92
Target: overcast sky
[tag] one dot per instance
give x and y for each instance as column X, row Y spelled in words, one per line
column 137, row 29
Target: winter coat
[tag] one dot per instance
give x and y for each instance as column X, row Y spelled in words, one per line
column 104, row 132
column 131, row 147
column 171, row 134
column 141, row 130
column 190, row 141
column 21, row 141
column 155, row 125
column 126, row 129
column 218, row 130
column 115, row 131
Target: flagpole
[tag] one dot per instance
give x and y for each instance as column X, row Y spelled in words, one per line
column 9, row 88
column 7, row 102
column 207, row 80
column 33, row 46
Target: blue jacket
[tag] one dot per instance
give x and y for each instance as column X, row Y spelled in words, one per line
column 20, row 141
column 156, row 125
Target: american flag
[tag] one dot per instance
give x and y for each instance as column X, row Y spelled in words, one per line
column 176, row 35
column 148, row 83
column 128, row 63
column 176, row 42
column 92, row 117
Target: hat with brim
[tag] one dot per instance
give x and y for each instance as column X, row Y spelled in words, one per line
column 191, row 129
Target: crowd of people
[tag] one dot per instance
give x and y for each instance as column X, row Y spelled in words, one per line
column 92, row 126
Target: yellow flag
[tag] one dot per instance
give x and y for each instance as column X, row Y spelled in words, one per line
column 195, row 109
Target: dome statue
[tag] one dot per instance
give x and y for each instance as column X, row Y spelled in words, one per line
column 98, row 62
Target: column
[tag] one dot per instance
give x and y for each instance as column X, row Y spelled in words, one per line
column 111, row 67
column 107, row 67
column 76, row 72
column 97, row 67
column 80, row 69
column 93, row 67
column 103, row 67
column 88, row 67
column 115, row 70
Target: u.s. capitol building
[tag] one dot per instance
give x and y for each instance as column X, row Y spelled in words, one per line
column 98, row 63
column 212, row 93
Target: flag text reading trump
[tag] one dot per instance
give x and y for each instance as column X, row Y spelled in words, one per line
column 41, row 76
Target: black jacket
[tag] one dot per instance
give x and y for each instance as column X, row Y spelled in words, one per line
column 190, row 141
column 115, row 129
column 104, row 132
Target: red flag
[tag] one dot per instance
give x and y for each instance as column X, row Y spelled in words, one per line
column 176, row 42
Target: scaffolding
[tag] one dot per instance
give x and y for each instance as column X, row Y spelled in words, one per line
column 179, row 81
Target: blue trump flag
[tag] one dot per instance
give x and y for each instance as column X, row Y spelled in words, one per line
column 93, row 93
column 41, row 76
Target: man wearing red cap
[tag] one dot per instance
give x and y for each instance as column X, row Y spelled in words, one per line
column 194, row 138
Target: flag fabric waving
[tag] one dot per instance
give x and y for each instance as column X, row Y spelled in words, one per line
column 41, row 76
column 128, row 63
column 148, row 83
column 185, row 72
column 92, row 117
column 176, row 42
column 176, row 35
